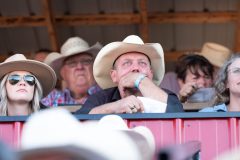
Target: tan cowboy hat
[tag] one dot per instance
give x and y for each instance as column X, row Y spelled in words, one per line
column 75, row 139
column 109, row 53
column 74, row 46
column 44, row 73
column 216, row 54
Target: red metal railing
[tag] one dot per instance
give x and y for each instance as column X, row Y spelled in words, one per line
column 217, row 132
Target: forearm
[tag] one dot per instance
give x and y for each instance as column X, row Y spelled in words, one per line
column 149, row 89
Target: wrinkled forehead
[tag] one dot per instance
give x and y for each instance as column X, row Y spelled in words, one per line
column 128, row 55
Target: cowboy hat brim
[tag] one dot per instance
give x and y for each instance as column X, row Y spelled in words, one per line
column 75, row 152
column 44, row 73
column 58, row 62
column 108, row 54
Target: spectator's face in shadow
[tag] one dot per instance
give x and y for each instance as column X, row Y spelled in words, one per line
column 77, row 72
column 233, row 80
column 18, row 88
column 40, row 56
column 201, row 80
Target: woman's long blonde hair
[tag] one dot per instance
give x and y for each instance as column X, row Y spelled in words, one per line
column 37, row 95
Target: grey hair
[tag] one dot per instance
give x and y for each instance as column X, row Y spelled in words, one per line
column 35, row 105
column 223, row 95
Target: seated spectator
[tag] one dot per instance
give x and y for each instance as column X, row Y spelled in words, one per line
column 74, row 67
column 41, row 54
column 126, row 70
column 227, row 87
column 215, row 53
column 23, row 83
column 193, row 72
column 82, row 141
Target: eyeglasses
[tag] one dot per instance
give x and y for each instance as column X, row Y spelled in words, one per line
column 15, row 78
column 84, row 62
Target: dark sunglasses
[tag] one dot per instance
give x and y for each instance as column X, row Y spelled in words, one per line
column 15, row 78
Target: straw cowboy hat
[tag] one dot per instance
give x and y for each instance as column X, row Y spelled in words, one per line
column 44, row 73
column 109, row 53
column 56, row 131
column 74, row 46
column 216, row 54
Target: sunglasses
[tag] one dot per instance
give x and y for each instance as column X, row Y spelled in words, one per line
column 15, row 78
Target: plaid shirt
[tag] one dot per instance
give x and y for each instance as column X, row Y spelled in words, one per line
column 57, row 97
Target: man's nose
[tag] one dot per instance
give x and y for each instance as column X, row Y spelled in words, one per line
column 79, row 65
column 135, row 67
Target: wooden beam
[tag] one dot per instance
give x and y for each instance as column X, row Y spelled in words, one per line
column 193, row 17
column 21, row 21
column 50, row 23
column 125, row 18
column 99, row 19
column 144, row 21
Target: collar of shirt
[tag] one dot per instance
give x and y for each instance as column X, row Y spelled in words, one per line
column 220, row 108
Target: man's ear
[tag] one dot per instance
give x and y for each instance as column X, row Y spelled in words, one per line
column 63, row 73
column 113, row 74
column 151, row 74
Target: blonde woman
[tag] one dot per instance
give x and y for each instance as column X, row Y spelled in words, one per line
column 23, row 83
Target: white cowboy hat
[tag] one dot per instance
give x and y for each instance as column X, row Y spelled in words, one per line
column 141, row 134
column 44, row 73
column 216, row 54
column 57, row 131
column 74, row 46
column 109, row 53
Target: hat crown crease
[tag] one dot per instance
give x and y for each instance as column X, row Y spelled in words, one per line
column 16, row 57
column 73, row 44
column 133, row 39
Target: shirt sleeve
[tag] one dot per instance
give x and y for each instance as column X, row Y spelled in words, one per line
column 93, row 101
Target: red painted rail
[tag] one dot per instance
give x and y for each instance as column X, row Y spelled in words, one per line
column 217, row 132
